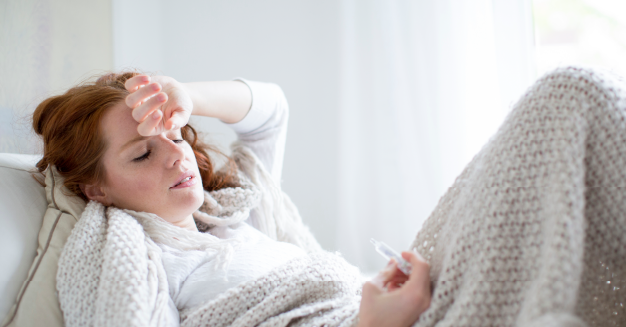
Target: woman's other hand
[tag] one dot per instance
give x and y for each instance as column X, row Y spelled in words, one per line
column 395, row 299
column 159, row 103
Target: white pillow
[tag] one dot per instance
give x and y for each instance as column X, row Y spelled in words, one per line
column 37, row 303
column 22, row 206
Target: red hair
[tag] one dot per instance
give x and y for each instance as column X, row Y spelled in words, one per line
column 73, row 142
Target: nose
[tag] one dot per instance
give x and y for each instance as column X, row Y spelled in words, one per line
column 175, row 154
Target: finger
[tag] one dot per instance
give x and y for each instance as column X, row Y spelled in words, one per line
column 420, row 270
column 133, row 83
column 176, row 120
column 141, row 112
column 392, row 286
column 399, row 279
column 385, row 274
column 370, row 289
column 414, row 253
column 136, row 98
column 150, row 126
column 389, row 271
column 416, row 291
column 399, row 273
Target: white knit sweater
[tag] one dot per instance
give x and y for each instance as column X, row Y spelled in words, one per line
column 193, row 276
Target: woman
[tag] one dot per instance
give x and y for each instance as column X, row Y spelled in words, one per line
column 530, row 234
column 124, row 142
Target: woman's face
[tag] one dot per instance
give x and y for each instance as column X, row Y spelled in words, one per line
column 145, row 173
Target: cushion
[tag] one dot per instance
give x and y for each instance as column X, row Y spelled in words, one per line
column 22, row 203
column 37, row 303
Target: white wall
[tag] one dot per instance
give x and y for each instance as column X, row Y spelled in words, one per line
column 46, row 47
column 292, row 43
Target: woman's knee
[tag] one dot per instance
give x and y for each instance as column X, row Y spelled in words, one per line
column 578, row 91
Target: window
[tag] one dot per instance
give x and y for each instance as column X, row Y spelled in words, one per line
column 583, row 32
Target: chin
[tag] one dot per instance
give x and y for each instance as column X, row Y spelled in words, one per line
column 185, row 205
column 197, row 198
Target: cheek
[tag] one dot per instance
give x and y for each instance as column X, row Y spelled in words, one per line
column 137, row 193
column 142, row 184
column 189, row 153
column 191, row 157
column 125, row 184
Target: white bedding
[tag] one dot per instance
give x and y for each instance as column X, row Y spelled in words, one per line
column 194, row 278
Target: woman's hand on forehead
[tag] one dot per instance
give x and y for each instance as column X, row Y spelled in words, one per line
column 159, row 103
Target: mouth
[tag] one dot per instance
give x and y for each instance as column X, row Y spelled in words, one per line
column 186, row 179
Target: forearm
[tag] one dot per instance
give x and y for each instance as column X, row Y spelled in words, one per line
column 228, row 101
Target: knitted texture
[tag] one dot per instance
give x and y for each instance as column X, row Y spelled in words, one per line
column 107, row 276
column 316, row 290
column 227, row 206
column 281, row 220
column 111, row 274
column 533, row 232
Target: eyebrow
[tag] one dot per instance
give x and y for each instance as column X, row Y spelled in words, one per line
column 134, row 140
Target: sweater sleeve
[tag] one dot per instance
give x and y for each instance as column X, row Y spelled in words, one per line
column 263, row 132
column 264, row 128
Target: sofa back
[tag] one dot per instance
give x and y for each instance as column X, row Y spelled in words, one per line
column 22, row 207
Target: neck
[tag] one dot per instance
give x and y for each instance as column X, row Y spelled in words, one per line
column 187, row 223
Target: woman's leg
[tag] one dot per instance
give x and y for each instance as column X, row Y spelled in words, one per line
column 534, row 229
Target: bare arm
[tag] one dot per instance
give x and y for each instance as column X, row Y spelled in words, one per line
column 228, row 101
column 161, row 103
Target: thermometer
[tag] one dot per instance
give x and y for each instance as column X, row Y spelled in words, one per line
column 387, row 252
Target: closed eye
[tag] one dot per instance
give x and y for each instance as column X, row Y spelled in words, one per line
column 143, row 157
column 147, row 154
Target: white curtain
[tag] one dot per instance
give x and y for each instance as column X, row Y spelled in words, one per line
column 424, row 84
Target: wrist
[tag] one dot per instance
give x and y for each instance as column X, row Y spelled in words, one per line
column 228, row 101
column 196, row 100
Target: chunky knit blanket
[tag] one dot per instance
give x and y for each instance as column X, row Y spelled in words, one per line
column 533, row 232
column 111, row 274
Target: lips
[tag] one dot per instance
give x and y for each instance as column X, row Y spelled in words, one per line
column 186, row 179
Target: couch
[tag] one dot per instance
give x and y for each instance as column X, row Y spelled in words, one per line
column 23, row 204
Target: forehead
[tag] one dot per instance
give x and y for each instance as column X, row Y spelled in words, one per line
column 119, row 126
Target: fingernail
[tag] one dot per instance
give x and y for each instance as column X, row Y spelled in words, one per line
column 173, row 126
column 161, row 97
column 155, row 115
